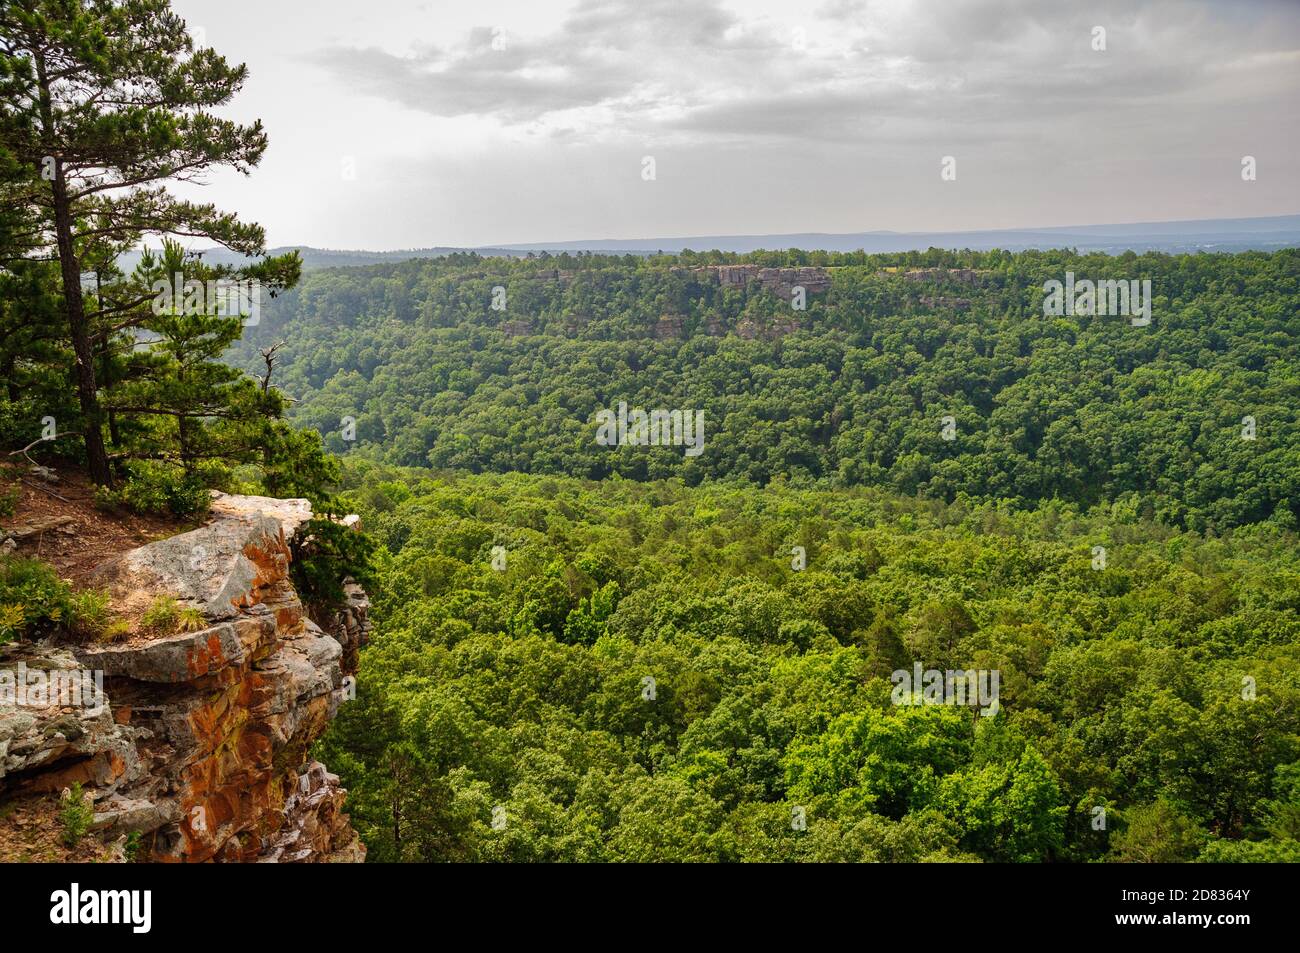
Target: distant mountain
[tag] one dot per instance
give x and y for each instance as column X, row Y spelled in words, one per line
column 1215, row 234
column 333, row 258
column 1223, row 234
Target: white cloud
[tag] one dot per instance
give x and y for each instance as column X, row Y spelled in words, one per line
column 838, row 127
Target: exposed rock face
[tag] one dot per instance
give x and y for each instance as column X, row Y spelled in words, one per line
column 780, row 281
column 202, row 743
column 313, row 820
column 34, row 528
column 670, row 326
column 771, row 329
column 45, row 745
column 964, row 276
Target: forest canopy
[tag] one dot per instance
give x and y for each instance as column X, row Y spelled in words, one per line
column 412, row 364
column 582, row 671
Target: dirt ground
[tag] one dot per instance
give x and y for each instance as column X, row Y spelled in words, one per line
column 30, row 827
column 30, row 832
column 89, row 536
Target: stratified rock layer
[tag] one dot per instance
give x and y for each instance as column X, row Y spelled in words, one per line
column 202, row 746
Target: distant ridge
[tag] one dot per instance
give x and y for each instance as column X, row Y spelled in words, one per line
column 1214, row 234
column 1220, row 234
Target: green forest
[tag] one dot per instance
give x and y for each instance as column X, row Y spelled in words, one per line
column 851, row 391
column 519, row 686
column 1149, row 695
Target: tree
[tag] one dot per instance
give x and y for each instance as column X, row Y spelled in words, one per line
column 109, row 100
column 215, row 411
column 1157, row 833
column 29, row 348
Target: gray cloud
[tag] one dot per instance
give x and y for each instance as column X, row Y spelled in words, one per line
column 460, row 143
column 698, row 68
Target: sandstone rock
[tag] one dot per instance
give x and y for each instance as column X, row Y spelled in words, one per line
column 351, row 624
column 20, row 532
column 669, row 326
column 198, row 746
column 220, row 568
column 186, row 656
column 119, row 814
column 45, row 745
column 290, row 514
column 307, row 832
column 574, row 323
column 780, row 281
column 965, row 276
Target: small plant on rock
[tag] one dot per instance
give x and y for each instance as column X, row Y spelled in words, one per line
column 34, row 601
column 190, row 619
column 134, row 845
column 76, row 814
column 119, row 630
column 9, row 501
column 161, row 618
column 89, row 614
column 165, row 617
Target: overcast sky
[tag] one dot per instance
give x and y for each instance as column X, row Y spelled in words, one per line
column 498, row 121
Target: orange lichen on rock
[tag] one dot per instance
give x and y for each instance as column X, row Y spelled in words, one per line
column 201, row 744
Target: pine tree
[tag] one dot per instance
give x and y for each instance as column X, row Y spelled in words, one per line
column 32, row 356
column 206, row 410
column 109, row 101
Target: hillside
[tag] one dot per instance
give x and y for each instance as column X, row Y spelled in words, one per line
column 854, row 390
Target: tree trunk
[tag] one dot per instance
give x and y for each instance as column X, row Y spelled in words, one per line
column 87, row 393
column 10, row 378
column 79, row 331
column 105, row 357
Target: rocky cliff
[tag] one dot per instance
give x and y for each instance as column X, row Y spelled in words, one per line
column 199, row 740
column 780, row 281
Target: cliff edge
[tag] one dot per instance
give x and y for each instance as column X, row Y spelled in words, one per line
column 196, row 744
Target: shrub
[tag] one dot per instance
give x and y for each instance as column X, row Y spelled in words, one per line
column 133, row 847
column 11, row 622
column 89, row 615
column 166, row 617
column 162, row 617
column 118, row 630
column 9, row 501
column 325, row 553
column 33, row 599
column 158, row 488
column 190, row 619
column 76, row 814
